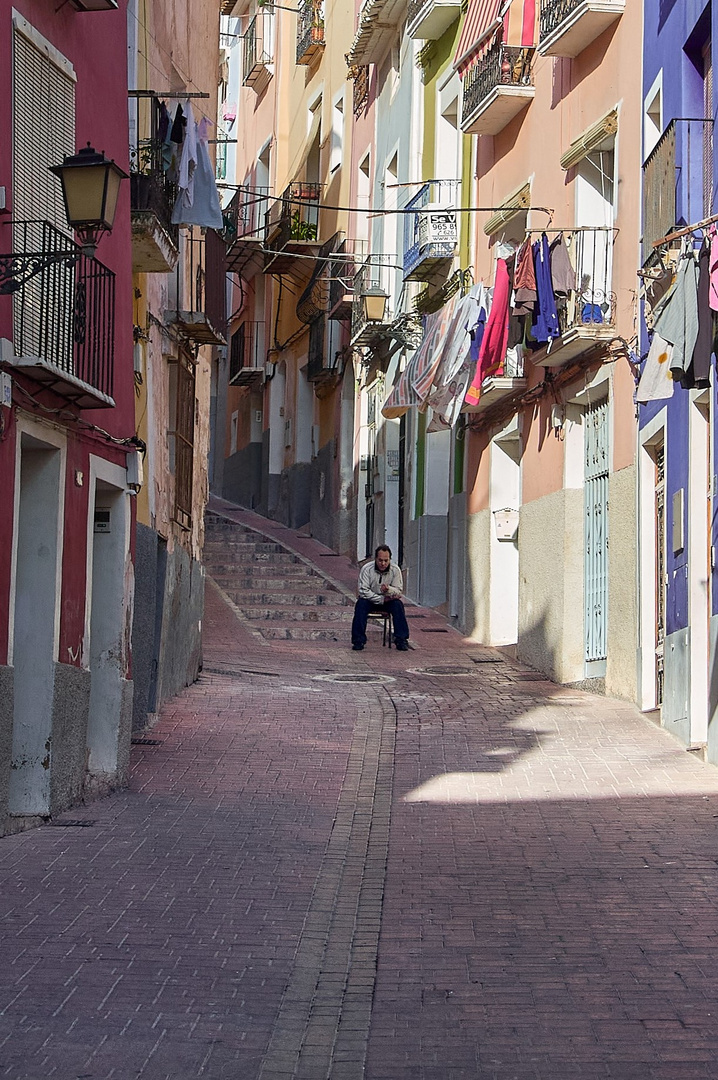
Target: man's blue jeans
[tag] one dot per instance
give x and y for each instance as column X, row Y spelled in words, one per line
column 361, row 614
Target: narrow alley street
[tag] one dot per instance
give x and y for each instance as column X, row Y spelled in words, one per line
column 431, row 865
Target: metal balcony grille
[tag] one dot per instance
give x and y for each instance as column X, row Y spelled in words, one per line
column 295, row 216
column 592, row 302
column 415, row 8
column 201, row 295
column 246, row 352
column 64, row 314
column 375, row 273
column 256, row 49
column 553, row 13
column 245, row 217
column 150, row 188
column 500, row 65
column 417, row 248
column 360, row 76
column 677, row 174
column 310, row 30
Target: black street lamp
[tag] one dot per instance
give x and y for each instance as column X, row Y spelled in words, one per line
column 90, row 186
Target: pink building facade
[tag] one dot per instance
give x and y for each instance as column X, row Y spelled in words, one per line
column 69, row 465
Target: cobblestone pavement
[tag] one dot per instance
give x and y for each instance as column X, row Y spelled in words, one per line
column 459, row 871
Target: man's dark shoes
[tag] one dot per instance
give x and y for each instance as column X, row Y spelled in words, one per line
column 402, row 646
column 357, row 647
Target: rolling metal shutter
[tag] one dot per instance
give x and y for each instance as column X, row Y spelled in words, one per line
column 43, row 131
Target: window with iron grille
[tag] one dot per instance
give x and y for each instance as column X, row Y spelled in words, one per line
column 184, row 440
column 237, row 352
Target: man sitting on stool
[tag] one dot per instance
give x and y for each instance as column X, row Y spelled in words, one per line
column 380, row 589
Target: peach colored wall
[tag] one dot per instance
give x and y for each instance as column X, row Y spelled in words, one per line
column 570, row 96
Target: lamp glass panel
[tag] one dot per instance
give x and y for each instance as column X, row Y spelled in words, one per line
column 113, row 190
column 375, row 306
column 84, row 193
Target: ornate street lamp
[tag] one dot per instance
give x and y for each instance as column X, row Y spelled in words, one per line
column 90, row 186
column 374, row 300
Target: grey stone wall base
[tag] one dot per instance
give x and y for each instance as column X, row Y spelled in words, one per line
column 143, row 620
column 124, row 734
column 242, row 480
column 70, row 711
column 21, row 823
column 6, row 719
column 173, row 582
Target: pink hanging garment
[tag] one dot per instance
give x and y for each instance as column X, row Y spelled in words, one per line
column 713, row 269
column 496, row 334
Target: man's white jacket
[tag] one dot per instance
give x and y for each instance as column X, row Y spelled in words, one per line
column 371, row 581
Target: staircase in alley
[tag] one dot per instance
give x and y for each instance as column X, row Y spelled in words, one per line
column 278, row 592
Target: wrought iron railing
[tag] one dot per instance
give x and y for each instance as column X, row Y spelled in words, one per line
column 500, row 65
column 417, row 245
column 246, row 348
column 553, row 13
column 295, row 216
column 63, row 304
column 245, row 216
column 256, row 48
column 342, row 270
column 592, row 302
column 376, row 273
column 677, row 180
column 415, row 8
column 201, row 279
column 359, row 73
column 150, row 186
column 310, row 29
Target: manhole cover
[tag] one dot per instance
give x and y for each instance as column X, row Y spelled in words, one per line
column 340, row 678
column 147, row 742
column 444, row 670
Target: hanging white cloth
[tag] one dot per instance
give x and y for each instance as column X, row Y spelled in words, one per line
column 198, row 200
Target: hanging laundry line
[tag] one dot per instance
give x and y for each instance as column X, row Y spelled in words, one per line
column 686, row 231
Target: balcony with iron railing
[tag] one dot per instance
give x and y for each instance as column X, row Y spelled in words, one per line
column 292, row 227
column 247, row 351
column 374, row 277
column 567, row 27
column 342, row 271
column 200, row 289
column 359, row 74
column 677, row 180
column 257, row 51
column 155, row 239
column 428, row 19
column 430, row 234
column 245, row 220
column 510, row 381
column 587, row 312
column 497, row 85
column 63, row 314
column 310, row 31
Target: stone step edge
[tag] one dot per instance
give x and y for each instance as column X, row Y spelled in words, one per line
column 292, row 551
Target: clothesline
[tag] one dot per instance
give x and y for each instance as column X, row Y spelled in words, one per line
column 685, row 231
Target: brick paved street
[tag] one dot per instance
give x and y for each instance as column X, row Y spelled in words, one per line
column 459, row 872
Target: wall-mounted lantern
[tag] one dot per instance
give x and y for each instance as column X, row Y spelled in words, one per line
column 90, row 186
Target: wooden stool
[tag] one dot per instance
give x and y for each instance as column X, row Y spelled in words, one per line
column 388, row 628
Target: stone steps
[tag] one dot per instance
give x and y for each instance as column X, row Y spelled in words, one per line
column 285, row 600
column 282, row 596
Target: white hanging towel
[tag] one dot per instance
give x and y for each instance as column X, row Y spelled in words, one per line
column 198, row 200
column 656, row 382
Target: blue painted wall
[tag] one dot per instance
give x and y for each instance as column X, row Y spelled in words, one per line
column 675, row 33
